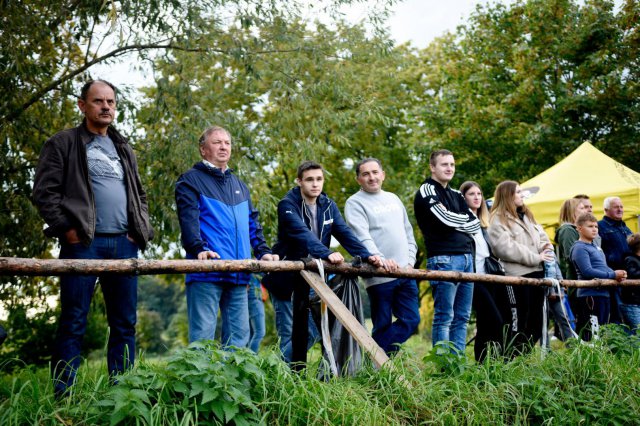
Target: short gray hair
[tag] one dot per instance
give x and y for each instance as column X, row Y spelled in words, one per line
column 205, row 135
column 608, row 200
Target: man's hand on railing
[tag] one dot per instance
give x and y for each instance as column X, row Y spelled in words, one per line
column 335, row 258
column 390, row 265
column 376, row 260
column 208, row 254
column 270, row 257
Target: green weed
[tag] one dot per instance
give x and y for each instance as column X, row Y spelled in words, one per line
column 584, row 384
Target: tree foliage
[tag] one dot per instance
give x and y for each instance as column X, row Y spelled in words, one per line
column 333, row 95
column 521, row 86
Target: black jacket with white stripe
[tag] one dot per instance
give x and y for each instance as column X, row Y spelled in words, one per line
column 444, row 219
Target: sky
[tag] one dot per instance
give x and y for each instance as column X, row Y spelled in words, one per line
column 420, row 21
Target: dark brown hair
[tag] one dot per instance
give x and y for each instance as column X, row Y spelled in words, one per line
column 85, row 89
column 308, row 165
column 634, row 242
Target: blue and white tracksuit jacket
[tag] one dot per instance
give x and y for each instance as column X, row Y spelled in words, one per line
column 215, row 213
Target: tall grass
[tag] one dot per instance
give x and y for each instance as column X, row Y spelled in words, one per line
column 597, row 384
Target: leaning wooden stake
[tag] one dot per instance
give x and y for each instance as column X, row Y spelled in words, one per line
column 346, row 318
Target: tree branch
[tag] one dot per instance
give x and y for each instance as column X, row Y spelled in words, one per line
column 114, row 54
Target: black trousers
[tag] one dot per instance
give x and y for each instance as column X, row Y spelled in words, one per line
column 529, row 300
column 493, row 317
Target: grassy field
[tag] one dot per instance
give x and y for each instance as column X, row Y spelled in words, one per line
column 598, row 384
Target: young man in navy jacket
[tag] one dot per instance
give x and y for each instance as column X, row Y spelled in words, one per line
column 307, row 219
column 218, row 221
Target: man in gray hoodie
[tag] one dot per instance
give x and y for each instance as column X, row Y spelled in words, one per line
column 379, row 220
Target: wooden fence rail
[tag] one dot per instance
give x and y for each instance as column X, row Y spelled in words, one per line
column 48, row 267
column 52, row 267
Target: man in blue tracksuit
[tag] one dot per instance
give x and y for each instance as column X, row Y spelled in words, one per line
column 218, row 221
column 307, row 219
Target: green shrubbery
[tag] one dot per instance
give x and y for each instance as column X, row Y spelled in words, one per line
column 590, row 384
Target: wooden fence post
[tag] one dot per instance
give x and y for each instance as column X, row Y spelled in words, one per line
column 345, row 317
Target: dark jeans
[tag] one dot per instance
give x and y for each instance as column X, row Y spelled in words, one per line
column 598, row 306
column 283, row 310
column 615, row 313
column 400, row 299
column 120, row 297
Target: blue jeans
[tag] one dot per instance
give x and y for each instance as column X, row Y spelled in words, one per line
column 120, row 297
column 631, row 315
column 451, row 301
column 256, row 317
column 284, row 323
column 400, row 299
column 203, row 301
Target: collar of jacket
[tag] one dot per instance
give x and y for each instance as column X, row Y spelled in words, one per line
column 437, row 184
column 296, row 195
column 213, row 171
column 86, row 136
column 613, row 222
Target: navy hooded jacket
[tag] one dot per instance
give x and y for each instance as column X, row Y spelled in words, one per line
column 215, row 213
column 296, row 240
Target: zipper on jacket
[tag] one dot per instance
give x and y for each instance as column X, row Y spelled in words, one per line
column 85, row 170
column 132, row 201
column 235, row 222
column 324, row 221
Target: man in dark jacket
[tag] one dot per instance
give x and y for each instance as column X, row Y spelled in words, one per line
column 447, row 225
column 218, row 221
column 88, row 191
column 307, row 219
column 613, row 233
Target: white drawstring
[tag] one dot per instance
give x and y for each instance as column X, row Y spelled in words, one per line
column 324, row 326
column 556, row 284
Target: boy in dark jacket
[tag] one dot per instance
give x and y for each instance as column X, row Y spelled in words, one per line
column 307, row 219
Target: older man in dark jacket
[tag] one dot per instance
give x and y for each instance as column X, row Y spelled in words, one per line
column 88, row 191
column 614, row 233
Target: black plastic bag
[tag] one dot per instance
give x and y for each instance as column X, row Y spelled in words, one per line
column 346, row 350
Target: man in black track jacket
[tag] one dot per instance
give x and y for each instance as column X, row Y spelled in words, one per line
column 447, row 225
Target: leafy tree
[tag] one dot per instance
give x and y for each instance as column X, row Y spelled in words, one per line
column 334, row 95
column 149, row 329
column 520, row 86
column 161, row 294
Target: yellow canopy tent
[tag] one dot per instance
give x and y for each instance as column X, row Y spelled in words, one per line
column 586, row 170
